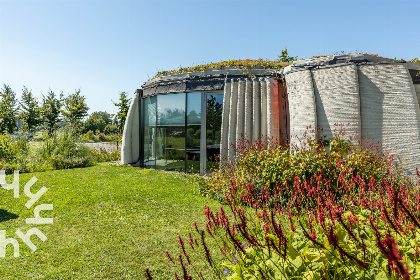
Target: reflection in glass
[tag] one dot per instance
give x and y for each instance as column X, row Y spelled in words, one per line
column 193, row 131
column 213, row 132
column 149, row 126
column 170, row 140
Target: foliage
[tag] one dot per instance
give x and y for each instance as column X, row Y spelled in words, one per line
column 111, row 129
column 8, row 110
column 101, row 137
column 94, row 124
column 344, row 214
column 75, row 109
column 123, row 106
column 30, row 111
column 284, row 57
column 50, row 110
column 245, row 64
column 102, row 115
column 62, row 150
column 10, row 148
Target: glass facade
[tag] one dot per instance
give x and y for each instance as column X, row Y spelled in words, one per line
column 149, row 131
column 172, row 125
column 193, row 132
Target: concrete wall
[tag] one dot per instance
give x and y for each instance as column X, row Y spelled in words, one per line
column 251, row 111
column 337, row 101
column 390, row 111
column 302, row 107
column 130, row 150
column 378, row 101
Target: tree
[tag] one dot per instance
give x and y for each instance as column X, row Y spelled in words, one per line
column 8, row 110
column 30, row 110
column 50, row 111
column 102, row 115
column 284, row 57
column 75, row 109
column 99, row 120
column 123, row 107
column 94, row 124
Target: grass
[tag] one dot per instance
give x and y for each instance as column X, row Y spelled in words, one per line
column 109, row 223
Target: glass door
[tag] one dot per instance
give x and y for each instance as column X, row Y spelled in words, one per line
column 212, row 104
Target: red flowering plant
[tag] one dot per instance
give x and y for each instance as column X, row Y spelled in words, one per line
column 346, row 213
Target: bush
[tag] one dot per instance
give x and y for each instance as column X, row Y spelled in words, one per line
column 346, row 213
column 13, row 153
column 64, row 150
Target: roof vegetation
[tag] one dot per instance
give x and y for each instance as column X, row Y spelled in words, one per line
column 245, row 64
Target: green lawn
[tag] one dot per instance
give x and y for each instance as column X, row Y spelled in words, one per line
column 109, row 223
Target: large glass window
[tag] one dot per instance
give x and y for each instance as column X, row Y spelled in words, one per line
column 193, row 131
column 213, row 130
column 149, row 131
column 170, row 128
column 172, row 131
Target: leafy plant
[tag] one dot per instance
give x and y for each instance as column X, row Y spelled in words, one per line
column 284, row 57
column 348, row 213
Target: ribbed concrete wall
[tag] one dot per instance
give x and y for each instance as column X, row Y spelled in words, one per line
column 249, row 118
column 273, row 110
column 130, row 149
column 224, row 144
column 390, row 111
column 250, row 112
column 256, row 109
column 232, row 117
column 337, row 100
column 284, row 116
column 302, row 106
column 264, row 131
column 240, row 120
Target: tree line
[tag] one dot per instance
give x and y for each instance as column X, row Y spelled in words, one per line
column 55, row 110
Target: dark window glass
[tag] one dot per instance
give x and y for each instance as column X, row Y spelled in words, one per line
column 213, row 132
column 193, row 131
column 170, row 141
column 149, row 126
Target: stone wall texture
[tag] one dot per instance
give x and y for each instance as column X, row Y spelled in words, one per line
column 373, row 102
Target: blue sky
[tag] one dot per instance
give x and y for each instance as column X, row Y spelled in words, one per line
column 105, row 47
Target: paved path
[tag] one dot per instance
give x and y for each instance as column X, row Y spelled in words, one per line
column 104, row 145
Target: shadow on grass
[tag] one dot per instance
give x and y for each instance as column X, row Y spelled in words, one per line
column 5, row 215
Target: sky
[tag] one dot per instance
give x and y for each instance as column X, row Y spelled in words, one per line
column 104, row 47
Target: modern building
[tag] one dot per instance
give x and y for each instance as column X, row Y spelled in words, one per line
column 187, row 121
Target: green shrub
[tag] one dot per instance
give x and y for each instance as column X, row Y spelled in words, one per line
column 64, row 150
column 346, row 212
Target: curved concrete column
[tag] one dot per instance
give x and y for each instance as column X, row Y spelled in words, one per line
column 248, row 109
column 264, row 131
column 232, row 117
column 256, row 109
column 240, row 120
column 225, row 121
column 130, row 149
column 273, row 110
